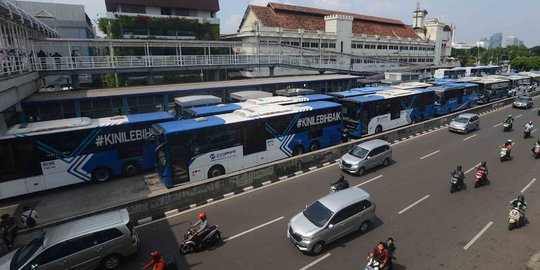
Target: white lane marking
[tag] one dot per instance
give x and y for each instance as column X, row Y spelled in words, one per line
column 533, row 109
column 469, row 170
column 415, row 203
column 497, row 125
column 519, row 116
column 472, row 136
column 430, row 154
column 528, row 185
column 252, row 229
column 533, row 130
column 316, row 261
column 468, row 245
column 374, row 178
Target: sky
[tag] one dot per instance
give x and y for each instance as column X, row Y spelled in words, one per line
column 474, row 19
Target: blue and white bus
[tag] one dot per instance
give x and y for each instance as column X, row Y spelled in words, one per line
column 440, row 82
column 480, row 71
column 231, row 107
column 454, row 97
column 197, row 149
column 44, row 155
column 371, row 114
column 519, row 85
column 354, row 92
column 489, row 88
column 453, row 73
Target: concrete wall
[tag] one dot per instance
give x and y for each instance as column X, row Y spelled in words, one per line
column 182, row 197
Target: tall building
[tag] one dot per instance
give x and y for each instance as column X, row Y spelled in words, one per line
column 70, row 21
column 495, row 41
column 483, row 43
column 513, row 41
column 179, row 19
column 428, row 42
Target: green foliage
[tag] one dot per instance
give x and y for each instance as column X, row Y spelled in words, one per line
column 525, row 63
column 159, row 26
column 491, row 56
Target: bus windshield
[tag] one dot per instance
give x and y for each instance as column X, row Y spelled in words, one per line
column 439, row 98
column 350, row 110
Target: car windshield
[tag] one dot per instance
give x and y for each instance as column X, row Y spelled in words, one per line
column 359, row 152
column 318, row 214
column 24, row 253
column 461, row 120
column 522, row 99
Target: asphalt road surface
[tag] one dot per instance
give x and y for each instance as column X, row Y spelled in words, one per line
column 433, row 229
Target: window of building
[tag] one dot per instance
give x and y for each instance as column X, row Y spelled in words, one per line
column 305, row 44
column 295, row 43
column 385, row 47
column 133, row 9
column 166, row 11
column 314, row 45
column 181, row 12
column 324, row 45
column 379, row 47
column 332, row 45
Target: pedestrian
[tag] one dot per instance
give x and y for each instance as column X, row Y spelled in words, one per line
column 29, row 217
column 9, row 230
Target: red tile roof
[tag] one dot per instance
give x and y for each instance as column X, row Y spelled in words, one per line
column 312, row 19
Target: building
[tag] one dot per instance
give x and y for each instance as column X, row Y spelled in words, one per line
column 513, row 41
column 70, row 21
column 463, row 45
column 375, row 39
column 164, row 18
column 495, row 41
column 483, row 43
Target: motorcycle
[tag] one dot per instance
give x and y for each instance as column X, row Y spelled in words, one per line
column 505, row 154
column 507, row 126
column 526, row 133
column 373, row 264
column 536, row 152
column 455, row 183
column 480, row 178
column 515, row 218
column 191, row 243
column 337, row 186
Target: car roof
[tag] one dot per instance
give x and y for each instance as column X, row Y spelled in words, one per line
column 371, row 144
column 339, row 200
column 467, row 115
column 84, row 226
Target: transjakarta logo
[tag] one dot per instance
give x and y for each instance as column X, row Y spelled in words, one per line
column 499, row 86
column 220, row 155
column 122, row 137
column 319, row 119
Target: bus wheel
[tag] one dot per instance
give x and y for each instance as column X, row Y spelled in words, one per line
column 215, row 171
column 102, row 174
column 131, row 169
column 298, row 150
column 314, row 146
column 378, row 129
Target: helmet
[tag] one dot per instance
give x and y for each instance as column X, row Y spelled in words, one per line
column 530, row 122
column 459, row 167
column 341, row 178
column 202, row 215
column 510, row 116
column 156, row 255
column 484, row 163
column 521, row 198
column 509, row 141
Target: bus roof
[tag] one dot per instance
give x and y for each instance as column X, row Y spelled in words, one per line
column 289, row 92
column 411, row 85
column 387, row 94
column 61, row 125
column 216, row 109
column 197, row 100
column 529, row 74
column 245, row 95
column 356, row 92
column 513, row 77
column 242, row 115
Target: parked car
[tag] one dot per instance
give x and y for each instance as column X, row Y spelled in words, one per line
column 523, row 102
column 98, row 241
column 365, row 156
column 331, row 218
column 465, row 122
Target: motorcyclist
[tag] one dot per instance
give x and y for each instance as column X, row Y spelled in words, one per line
column 156, row 261
column 508, row 145
column 482, row 168
column 200, row 227
column 458, row 173
column 341, row 183
column 520, row 204
column 380, row 253
column 536, row 145
column 509, row 119
column 529, row 125
column 391, row 247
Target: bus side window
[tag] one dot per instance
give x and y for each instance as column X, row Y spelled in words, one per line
column 130, row 150
column 18, row 160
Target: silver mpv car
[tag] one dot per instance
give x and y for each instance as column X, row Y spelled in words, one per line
column 102, row 241
column 330, row 218
column 366, row 156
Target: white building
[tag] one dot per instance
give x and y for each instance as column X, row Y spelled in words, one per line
column 463, row 45
column 513, row 41
column 377, row 39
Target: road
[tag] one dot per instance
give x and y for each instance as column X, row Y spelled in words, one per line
column 433, row 229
